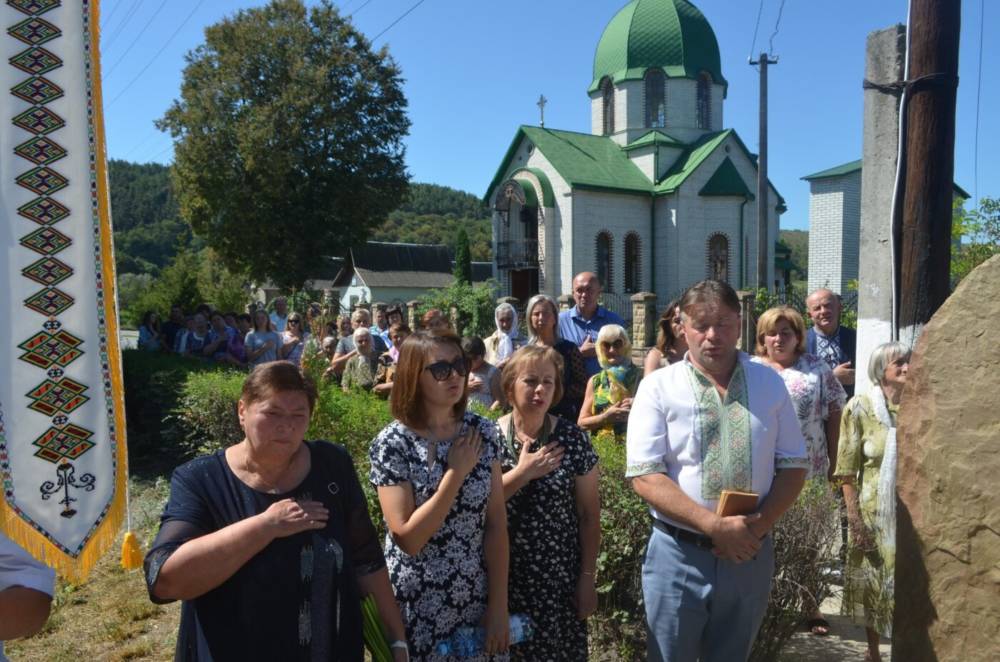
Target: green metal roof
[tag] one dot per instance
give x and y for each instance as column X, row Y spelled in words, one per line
column 670, row 34
column 838, row 171
column 726, row 182
column 855, row 166
column 548, row 197
column 653, row 138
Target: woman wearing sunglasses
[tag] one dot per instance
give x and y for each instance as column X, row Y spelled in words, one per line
column 293, row 339
column 608, row 400
column 437, row 472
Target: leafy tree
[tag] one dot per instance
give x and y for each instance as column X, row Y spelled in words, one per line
column 288, row 137
column 475, row 304
column 463, row 258
column 976, row 237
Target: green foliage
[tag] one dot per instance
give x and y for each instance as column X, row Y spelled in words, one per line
column 463, row 259
column 207, row 410
column 190, row 279
column 289, row 139
column 443, row 201
column 975, row 235
column 475, row 305
column 798, row 242
column 437, row 229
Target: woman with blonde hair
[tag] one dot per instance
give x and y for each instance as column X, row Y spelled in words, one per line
column 437, row 472
column 608, row 400
column 816, row 394
column 542, row 315
column 866, row 467
column 550, row 482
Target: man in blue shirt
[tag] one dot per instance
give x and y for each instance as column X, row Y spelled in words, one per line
column 581, row 323
column 830, row 341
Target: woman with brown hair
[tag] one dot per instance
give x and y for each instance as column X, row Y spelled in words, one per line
column 670, row 342
column 553, row 508
column 437, row 472
column 268, row 542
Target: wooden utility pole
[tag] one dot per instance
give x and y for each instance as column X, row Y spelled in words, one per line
column 924, row 238
column 763, row 240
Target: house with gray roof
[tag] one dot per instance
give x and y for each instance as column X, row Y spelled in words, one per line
column 658, row 195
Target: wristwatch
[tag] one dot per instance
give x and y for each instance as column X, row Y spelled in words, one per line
column 399, row 643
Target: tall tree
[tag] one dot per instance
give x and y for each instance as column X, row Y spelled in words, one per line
column 288, row 139
column 463, row 258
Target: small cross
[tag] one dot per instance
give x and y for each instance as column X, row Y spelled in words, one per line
column 541, row 105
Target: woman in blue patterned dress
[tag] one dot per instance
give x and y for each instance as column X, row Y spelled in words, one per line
column 437, row 471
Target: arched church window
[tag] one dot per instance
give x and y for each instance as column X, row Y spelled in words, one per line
column 604, row 260
column 608, row 106
column 656, row 99
column 718, row 257
column 529, row 216
column 705, row 100
column 632, row 278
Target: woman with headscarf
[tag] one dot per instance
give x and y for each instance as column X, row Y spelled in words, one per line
column 866, row 467
column 506, row 339
column 608, row 400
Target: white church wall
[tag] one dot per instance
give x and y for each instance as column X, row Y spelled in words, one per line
column 645, row 160
column 682, row 119
column 666, row 251
column 618, row 214
column 558, row 228
column 596, row 113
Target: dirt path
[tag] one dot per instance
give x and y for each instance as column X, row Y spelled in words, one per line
column 845, row 643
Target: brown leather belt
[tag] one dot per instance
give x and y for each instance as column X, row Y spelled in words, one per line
column 683, row 535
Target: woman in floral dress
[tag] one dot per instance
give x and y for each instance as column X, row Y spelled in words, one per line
column 866, row 467
column 816, row 394
column 553, row 510
column 609, row 393
column 437, row 472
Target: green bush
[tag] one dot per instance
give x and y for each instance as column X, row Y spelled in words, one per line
column 207, row 411
column 475, row 305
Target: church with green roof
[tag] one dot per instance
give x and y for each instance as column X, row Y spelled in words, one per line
column 658, row 195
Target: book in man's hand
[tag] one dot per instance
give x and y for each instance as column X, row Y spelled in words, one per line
column 732, row 502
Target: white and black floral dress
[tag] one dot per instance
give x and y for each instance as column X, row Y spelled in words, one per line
column 444, row 586
column 544, row 534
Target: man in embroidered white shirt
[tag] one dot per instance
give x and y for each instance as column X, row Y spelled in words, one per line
column 714, row 421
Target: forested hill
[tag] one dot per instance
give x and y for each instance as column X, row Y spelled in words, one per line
column 149, row 231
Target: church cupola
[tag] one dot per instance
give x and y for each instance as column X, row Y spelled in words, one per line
column 657, row 66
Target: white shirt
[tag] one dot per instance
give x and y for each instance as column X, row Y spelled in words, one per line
column 664, row 431
column 18, row 568
column 278, row 322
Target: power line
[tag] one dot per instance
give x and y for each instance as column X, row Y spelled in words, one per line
column 363, row 5
column 161, row 152
column 404, row 15
column 777, row 27
column 121, row 26
column 107, row 19
column 756, row 28
column 158, row 54
column 139, row 144
column 979, row 97
column 136, row 40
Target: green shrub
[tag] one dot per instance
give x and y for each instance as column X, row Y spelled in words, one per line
column 207, row 410
column 475, row 305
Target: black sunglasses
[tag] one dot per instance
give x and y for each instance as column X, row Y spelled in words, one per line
column 293, row 321
column 441, row 371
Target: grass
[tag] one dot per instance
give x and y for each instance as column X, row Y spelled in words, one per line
column 109, row 617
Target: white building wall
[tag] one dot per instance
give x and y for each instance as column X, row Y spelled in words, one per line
column 558, row 228
column 645, row 160
column 618, row 214
column 596, row 113
column 826, row 233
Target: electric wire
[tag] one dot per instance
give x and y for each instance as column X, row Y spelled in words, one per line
column 139, row 144
column 756, row 29
column 160, row 153
column 979, row 99
column 895, row 217
column 105, row 20
column 363, row 5
column 157, row 55
column 121, row 57
column 777, row 28
column 119, row 29
column 402, row 16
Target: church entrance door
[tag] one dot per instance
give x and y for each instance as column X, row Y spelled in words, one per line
column 523, row 284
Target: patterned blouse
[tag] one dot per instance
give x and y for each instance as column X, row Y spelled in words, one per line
column 611, row 386
column 816, row 394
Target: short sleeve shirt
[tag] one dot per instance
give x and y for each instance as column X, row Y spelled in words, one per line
column 573, row 327
column 680, row 428
column 257, row 339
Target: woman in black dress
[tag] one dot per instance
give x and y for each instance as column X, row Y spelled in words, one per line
column 543, row 329
column 269, row 543
column 553, row 510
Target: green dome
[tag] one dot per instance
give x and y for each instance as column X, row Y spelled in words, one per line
column 670, row 34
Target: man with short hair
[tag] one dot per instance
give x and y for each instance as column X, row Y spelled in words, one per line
column 279, row 318
column 827, row 339
column 712, row 422
column 381, row 326
column 26, row 587
column 582, row 323
column 173, row 326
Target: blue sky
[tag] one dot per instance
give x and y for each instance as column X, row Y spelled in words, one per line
column 475, row 69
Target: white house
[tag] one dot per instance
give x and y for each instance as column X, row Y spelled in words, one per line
column 659, row 195
column 835, row 225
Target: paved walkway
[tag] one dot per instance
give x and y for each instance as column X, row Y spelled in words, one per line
column 845, row 643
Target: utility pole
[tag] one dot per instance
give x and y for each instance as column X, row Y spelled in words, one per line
column 762, row 203
column 924, row 238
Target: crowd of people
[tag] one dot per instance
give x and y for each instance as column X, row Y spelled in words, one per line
column 270, row 546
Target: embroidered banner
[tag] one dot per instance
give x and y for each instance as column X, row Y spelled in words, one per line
column 62, row 425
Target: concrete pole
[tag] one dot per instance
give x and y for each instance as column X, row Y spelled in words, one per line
column 886, row 51
column 763, row 240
